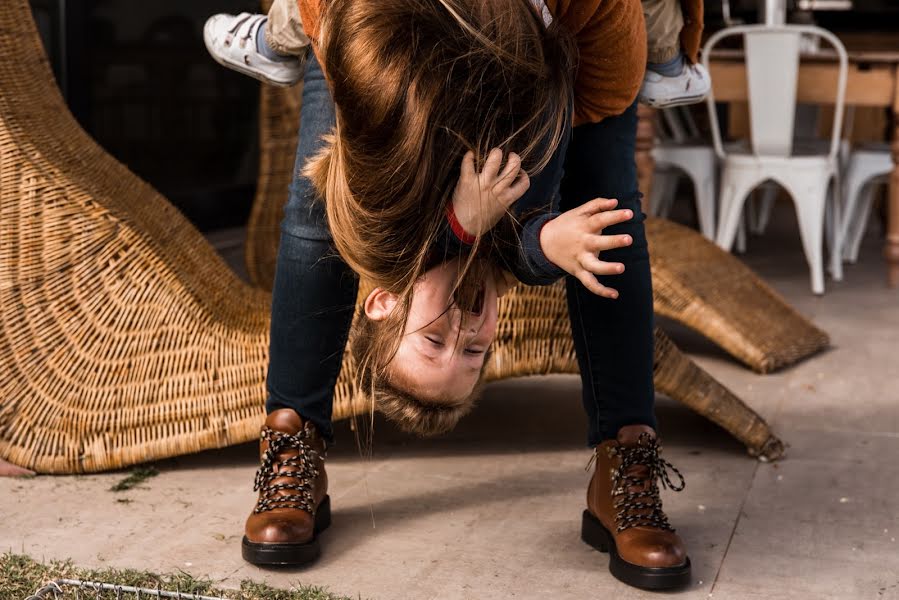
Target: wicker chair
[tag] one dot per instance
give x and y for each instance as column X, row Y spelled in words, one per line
column 125, row 338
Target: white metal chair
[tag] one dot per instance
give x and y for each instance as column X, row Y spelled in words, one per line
column 679, row 147
column 807, row 141
column 772, row 68
column 868, row 166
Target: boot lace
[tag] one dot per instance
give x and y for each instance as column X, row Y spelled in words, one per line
column 302, row 468
column 644, row 506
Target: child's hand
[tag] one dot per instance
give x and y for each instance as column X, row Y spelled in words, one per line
column 481, row 199
column 504, row 281
column 573, row 240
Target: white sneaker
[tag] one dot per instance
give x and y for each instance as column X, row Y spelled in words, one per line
column 231, row 40
column 691, row 86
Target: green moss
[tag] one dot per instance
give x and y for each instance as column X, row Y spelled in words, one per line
column 138, row 476
column 21, row 576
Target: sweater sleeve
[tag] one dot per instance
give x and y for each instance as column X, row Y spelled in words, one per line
column 310, row 13
column 610, row 36
column 516, row 245
column 525, row 259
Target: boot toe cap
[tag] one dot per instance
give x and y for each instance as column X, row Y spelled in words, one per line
column 280, row 529
column 651, row 548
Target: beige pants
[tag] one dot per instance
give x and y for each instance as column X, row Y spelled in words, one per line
column 664, row 22
column 284, row 29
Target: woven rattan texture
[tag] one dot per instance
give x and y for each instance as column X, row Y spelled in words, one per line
column 698, row 284
column 279, row 119
column 123, row 335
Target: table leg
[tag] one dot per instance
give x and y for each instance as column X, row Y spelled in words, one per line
column 891, row 250
column 645, row 142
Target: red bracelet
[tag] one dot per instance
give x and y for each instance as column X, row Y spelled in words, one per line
column 458, row 230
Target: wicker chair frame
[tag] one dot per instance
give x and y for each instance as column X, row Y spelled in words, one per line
column 125, row 338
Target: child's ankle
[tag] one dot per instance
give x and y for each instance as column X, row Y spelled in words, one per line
column 670, row 68
column 264, row 48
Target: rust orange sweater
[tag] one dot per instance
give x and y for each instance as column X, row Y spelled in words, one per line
column 611, row 41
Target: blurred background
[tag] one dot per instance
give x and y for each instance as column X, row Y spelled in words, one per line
column 138, row 78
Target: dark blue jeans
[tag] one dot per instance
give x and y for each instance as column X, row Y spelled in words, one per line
column 613, row 339
column 314, row 292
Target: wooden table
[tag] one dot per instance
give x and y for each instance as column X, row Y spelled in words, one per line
column 873, row 80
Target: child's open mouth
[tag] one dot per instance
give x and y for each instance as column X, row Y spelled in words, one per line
column 478, row 307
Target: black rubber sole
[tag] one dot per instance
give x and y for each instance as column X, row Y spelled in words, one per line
column 647, row 578
column 289, row 554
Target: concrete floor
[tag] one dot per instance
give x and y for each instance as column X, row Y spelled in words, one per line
column 493, row 510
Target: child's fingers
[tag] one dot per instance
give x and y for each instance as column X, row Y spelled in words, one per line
column 592, row 263
column 597, row 205
column 491, row 165
column 467, row 171
column 601, row 243
column 595, row 286
column 504, row 282
column 510, row 171
column 601, row 220
column 516, row 190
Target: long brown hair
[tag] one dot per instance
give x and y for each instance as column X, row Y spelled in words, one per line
column 416, row 84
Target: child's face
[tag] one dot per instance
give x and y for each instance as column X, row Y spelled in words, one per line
column 443, row 350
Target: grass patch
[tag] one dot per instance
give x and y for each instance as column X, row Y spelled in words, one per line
column 137, row 477
column 21, row 576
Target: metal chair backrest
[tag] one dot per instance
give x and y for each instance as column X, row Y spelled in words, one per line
column 772, row 74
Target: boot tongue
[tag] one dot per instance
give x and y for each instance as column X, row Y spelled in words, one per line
column 629, row 437
column 630, row 434
column 285, row 420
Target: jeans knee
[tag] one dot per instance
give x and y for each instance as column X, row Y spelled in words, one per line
column 304, row 217
column 638, row 249
column 301, row 242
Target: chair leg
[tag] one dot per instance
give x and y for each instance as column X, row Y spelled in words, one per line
column 731, row 199
column 810, row 199
column 705, row 206
column 857, row 223
column 701, row 172
column 683, row 380
column 740, row 243
column 670, row 193
column 834, row 228
column 655, row 193
column 661, row 193
column 853, row 188
column 764, row 206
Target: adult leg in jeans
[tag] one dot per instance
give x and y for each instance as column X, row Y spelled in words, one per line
column 613, row 338
column 614, row 345
column 312, row 309
column 314, row 292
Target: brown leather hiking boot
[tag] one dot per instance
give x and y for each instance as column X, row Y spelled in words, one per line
column 624, row 514
column 293, row 505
